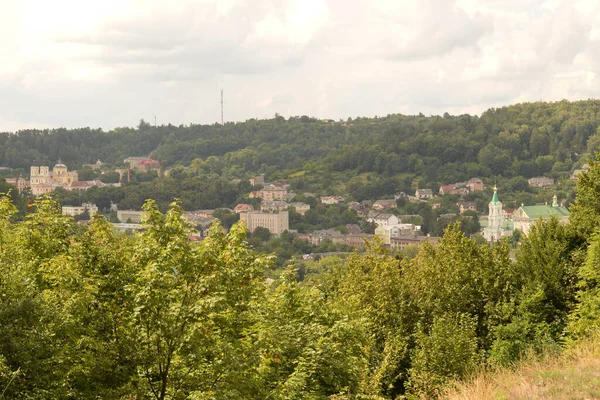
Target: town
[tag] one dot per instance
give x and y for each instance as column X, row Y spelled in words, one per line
column 270, row 205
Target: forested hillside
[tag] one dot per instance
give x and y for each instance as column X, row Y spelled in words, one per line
column 522, row 140
column 87, row 313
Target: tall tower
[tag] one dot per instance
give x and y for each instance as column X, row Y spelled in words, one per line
column 493, row 232
column 221, row 106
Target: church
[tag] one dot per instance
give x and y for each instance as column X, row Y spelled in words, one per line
column 42, row 180
column 499, row 226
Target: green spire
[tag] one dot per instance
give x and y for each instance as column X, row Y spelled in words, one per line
column 495, row 199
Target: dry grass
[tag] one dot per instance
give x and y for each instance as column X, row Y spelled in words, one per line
column 575, row 374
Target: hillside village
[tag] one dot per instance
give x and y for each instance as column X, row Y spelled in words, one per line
column 269, row 207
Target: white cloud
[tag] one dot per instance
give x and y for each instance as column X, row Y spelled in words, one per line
column 109, row 63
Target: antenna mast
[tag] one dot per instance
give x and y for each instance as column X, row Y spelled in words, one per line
column 221, row 106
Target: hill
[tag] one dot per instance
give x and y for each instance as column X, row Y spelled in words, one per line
column 518, row 141
column 572, row 374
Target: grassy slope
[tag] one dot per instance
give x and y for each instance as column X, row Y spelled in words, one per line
column 574, row 374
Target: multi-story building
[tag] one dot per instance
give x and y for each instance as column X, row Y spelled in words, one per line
column 78, row 210
column 131, row 216
column 276, row 223
column 273, row 192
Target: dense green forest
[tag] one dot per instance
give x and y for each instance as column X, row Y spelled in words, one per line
column 86, row 313
column 364, row 157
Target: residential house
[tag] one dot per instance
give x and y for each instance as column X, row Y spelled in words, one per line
column 383, row 219
column 243, row 208
column 424, row 194
column 301, row 208
column 525, row 216
column 475, row 185
column 276, row 223
column 274, row 205
column 466, row 206
column 332, row 199
column 541, row 182
column 446, row 189
column 381, row 205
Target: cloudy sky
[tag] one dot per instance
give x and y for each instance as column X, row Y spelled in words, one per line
column 109, row 63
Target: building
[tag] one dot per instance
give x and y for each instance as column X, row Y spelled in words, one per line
column 20, row 182
column 301, row 208
column 466, row 206
column 276, row 223
column 131, row 216
column 384, row 204
column 353, row 239
column 243, row 208
column 577, row 172
column 387, row 233
column 204, row 213
column 257, row 180
column 424, row 194
column 541, row 182
column 42, row 180
column 525, row 216
column 73, row 211
column 96, row 165
column 493, row 231
column 273, row 192
column 383, row 219
column 274, row 205
column 142, row 163
column 401, row 242
column 475, row 185
column 332, row 199
column 446, row 189
column 149, row 165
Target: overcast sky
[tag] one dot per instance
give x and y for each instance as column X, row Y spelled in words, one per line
column 110, row 63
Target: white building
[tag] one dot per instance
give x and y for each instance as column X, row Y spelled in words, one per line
column 383, row 219
column 78, row 210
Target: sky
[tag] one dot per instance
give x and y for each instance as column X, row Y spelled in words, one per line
column 110, row 63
